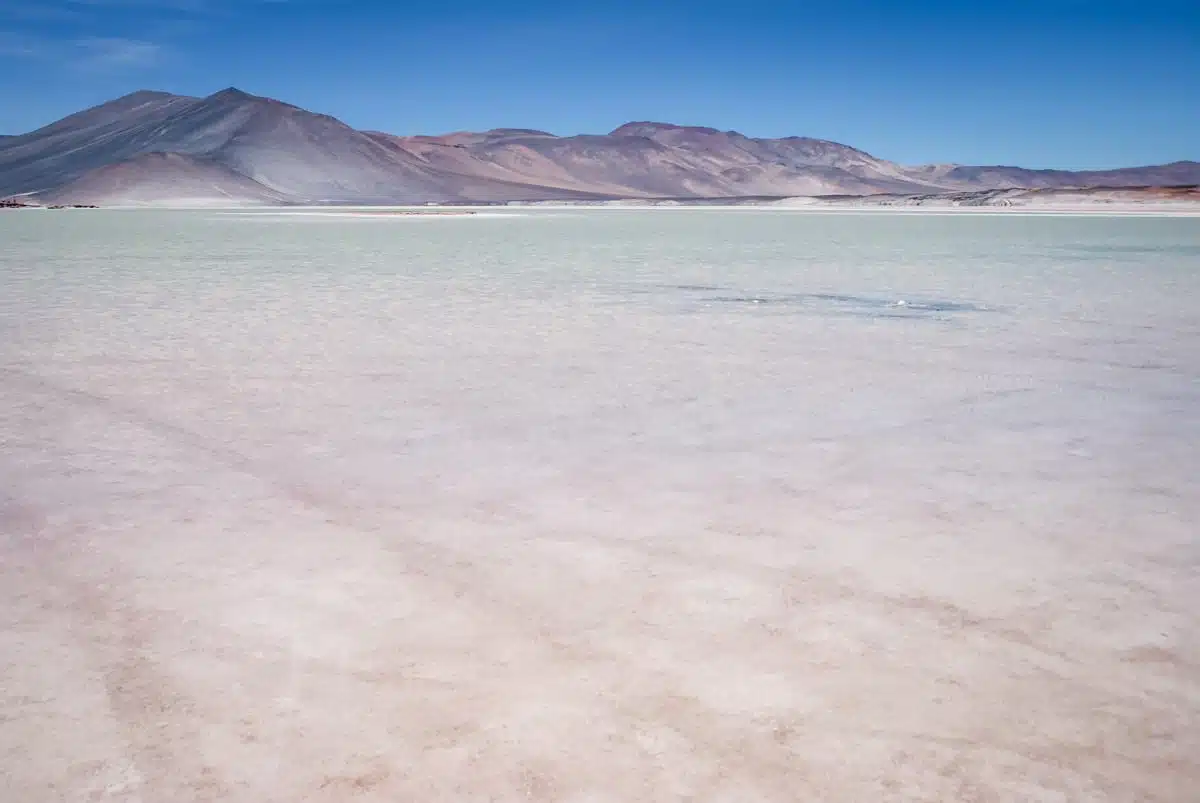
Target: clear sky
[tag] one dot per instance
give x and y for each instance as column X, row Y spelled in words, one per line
column 1039, row 83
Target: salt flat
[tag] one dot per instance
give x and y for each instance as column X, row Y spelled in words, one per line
column 599, row 505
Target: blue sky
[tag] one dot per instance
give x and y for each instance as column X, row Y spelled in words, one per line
column 1040, row 83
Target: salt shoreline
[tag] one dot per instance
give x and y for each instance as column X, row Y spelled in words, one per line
column 510, row 210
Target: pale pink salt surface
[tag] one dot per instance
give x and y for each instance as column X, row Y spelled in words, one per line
column 519, row 510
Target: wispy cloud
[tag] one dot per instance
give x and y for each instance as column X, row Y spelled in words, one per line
column 19, row 45
column 173, row 5
column 167, row 5
column 89, row 10
column 109, row 34
column 39, row 12
column 108, row 53
column 92, row 53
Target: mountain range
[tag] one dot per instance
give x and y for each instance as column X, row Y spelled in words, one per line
column 231, row 147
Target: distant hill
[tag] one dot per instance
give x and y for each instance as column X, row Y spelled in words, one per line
column 233, row 147
column 1164, row 198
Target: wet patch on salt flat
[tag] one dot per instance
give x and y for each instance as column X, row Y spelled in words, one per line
column 699, row 297
column 1142, row 249
column 869, row 306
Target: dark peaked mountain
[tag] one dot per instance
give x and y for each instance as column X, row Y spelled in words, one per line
column 293, row 154
column 232, row 147
column 65, row 150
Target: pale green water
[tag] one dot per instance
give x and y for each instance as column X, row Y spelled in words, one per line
column 578, row 467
